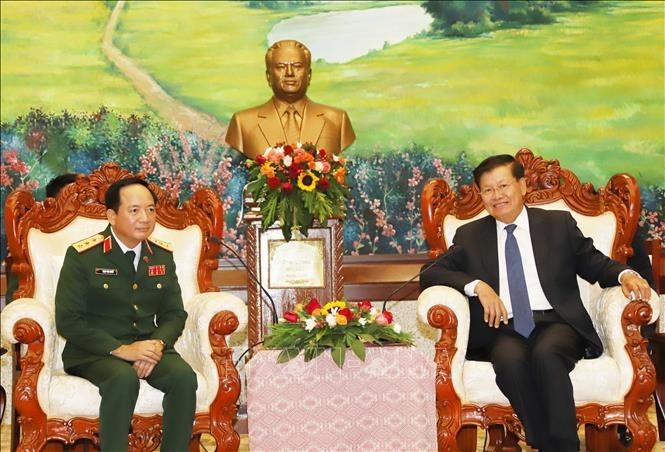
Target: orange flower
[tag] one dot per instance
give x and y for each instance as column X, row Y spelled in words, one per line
column 268, row 170
column 340, row 175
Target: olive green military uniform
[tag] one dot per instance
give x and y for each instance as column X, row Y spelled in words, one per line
column 101, row 303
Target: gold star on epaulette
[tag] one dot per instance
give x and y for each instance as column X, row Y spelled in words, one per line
column 161, row 243
column 88, row 243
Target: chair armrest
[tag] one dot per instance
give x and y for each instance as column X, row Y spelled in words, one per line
column 609, row 311
column 31, row 323
column 194, row 344
column 454, row 324
column 27, row 308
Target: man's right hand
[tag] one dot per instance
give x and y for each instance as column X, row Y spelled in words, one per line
column 149, row 350
column 494, row 309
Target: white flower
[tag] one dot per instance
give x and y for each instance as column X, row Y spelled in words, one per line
column 267, row 151
column 318, row 166
column 310, row 324
column 373, row 311
column 362, row 321
column 287, row 161
column 397, row 327
column 331, row 320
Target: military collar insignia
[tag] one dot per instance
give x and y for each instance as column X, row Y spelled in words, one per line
column 106, row 271
column 108, row 243
column 86, row 244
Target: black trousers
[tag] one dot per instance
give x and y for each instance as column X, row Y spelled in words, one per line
column 533, row 373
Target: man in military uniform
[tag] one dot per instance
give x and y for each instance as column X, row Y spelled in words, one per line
column 119, row 306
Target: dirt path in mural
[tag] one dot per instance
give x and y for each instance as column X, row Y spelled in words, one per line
column 182, row 116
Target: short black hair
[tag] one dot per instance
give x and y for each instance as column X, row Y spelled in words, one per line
column 58, row 183
column 496, row 161
column 112, row 196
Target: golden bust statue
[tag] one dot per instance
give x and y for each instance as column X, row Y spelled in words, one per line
column 289, row 116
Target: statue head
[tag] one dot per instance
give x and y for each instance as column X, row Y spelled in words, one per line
column 288, row 69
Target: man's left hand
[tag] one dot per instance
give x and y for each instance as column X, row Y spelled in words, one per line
column 634, row 287
column 143, row 368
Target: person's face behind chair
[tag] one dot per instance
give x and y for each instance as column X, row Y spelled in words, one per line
column 502, row 194
column 135, row 219
column 288, row 73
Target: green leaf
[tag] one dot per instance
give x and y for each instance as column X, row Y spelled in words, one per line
column 338, row 352
column 366, row 337
column 312, row 351
column 358, row 348
column 287, row 354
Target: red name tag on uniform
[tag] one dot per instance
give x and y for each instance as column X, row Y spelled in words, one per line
column 156, row 270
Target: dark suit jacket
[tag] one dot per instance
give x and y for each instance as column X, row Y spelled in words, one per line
column 561, row 253
column 251, row 131
column 100, row 303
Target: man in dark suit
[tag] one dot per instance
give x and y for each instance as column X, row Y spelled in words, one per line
column 119, row 306
column 290, row 117
column 519, row 266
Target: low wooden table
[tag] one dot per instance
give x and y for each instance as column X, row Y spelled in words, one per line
column 386, row 403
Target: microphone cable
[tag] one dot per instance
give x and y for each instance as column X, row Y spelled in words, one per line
column 273, row 309
column 401, row 286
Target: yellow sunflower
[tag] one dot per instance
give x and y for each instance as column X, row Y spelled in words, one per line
column 307, row 181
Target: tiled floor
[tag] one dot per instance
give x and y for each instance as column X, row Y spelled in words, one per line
column 209, row 444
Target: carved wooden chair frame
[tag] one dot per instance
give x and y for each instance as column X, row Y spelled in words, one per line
column 85, row 198
column 547, row 182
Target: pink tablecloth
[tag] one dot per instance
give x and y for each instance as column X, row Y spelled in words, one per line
column 386, row 403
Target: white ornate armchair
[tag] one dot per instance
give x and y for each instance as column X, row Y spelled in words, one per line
column 613, row 389
column 52, row 405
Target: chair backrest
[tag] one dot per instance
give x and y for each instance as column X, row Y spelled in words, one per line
column 39, row 233
column 608, row 215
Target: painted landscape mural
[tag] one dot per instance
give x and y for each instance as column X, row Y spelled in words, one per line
column 431, row 88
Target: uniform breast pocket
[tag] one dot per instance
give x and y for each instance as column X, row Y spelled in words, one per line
column 105, row 294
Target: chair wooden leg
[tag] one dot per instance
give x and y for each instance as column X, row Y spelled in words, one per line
column 194, row 443
column 603, row 439
column 500, row 440
column 467, row 438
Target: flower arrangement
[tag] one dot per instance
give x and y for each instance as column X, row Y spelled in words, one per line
column 336, row 325
column 296, row 185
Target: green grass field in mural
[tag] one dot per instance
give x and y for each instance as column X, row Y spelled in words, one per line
column 587, row 89
column 51, row 57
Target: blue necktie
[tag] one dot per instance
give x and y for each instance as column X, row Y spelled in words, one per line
column 519, row 297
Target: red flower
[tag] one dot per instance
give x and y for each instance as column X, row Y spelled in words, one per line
column 287, row 187
column 288, row 150
column 312, row 305
column 291, row 317
column 346, row 312
column 322, row 153
column 323, row 184
column 294, row 171
column 260, row 159
column 274, row 182
column 389, row 316
column 365, row 305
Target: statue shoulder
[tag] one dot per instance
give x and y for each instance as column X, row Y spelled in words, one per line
column 315, row 108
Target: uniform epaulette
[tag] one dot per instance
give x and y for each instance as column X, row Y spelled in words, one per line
column 161, row 243
column 86, row 244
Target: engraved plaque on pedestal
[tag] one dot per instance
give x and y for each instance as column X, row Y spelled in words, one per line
column 291, row 272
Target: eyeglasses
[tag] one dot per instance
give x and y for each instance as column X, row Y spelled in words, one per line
column 500, row 189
